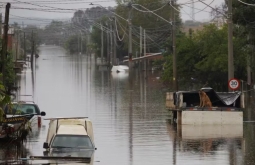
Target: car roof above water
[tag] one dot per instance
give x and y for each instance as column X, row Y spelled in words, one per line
column 23, row 102
column 71, row 130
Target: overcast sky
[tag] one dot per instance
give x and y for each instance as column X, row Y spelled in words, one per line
column 30, row 8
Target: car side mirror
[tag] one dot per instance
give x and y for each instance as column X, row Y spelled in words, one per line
column 95, row 148
column 43, row 113
column 45, row 145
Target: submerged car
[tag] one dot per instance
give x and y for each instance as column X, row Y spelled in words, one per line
column 22, row 108
column 70, row 137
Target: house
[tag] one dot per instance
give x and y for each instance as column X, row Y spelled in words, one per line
column 12, row 42
column 11, row 39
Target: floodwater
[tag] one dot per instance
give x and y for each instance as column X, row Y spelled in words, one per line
column 131, row 124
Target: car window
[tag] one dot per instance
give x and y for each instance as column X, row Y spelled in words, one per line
column 72, row 141
column 21, row 109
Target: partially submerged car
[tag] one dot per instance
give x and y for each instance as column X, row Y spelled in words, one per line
column 70, row 137
column 22, row 108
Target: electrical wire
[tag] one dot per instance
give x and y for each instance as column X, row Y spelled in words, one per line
column 146, row 11
column 249, row 4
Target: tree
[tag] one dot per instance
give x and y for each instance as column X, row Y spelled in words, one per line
column 53, row 33
column 73, row 44
column 243, row 18
column 157, row 29
column 204, row 56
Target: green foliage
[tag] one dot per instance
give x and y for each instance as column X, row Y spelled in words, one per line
column 5, row 99
column 1, row 114
column 9, row 73
column 96, row 38
column 204, row 57
column 146, row 20
column 243, row 17
column 73, row 42
column 53, row 33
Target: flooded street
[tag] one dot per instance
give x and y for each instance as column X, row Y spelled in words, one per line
column 131, row 124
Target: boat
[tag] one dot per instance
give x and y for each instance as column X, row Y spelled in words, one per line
column 120, row 68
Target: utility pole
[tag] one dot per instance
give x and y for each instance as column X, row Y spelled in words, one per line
column 111, row 47
column 17, row 43
column 5, row 39
column 102, row 43
column 230, row 43
column 108, row 45
column 25, row 53
column 145, row 64
column 175, row 78
column 114, row 45
column 32, row 52
column 81, row 43
column 0, row 25
column 78, row 48
column 141, row 44
column 130, row 36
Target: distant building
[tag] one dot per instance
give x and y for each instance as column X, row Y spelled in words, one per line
column 11, row 39
column 12, row 42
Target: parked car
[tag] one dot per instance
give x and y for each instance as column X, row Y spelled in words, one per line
column 25, row 108
column 70, row 137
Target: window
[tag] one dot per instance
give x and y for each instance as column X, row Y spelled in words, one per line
column 21, row 109
column 72, row 141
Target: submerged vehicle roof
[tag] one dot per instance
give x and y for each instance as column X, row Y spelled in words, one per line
column 71, row 130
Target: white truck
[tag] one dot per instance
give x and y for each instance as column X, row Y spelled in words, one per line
column 69, row 138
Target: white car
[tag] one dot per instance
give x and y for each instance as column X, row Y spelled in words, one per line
column 70, row 137
column 25, row 108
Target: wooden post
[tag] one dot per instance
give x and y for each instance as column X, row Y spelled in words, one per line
column 179, row 117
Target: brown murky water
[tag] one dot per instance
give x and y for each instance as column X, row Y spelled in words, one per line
column 131, row 125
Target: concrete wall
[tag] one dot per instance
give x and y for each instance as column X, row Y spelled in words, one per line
column 170, row 100
column 211, row 131
column 212, row 117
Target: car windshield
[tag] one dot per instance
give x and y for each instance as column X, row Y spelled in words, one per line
column 21, row 109
column 72, row 141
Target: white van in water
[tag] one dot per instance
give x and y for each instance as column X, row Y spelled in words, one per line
column 72, row 137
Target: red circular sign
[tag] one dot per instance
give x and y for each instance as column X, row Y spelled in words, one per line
column 234, row 84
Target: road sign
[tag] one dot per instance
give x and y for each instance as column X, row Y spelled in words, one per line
column 233, row 84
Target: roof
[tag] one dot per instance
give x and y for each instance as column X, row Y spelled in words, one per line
column 71, row 130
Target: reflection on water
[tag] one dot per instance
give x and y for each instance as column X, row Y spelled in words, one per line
column 131, row 125
column 199, row 145
column 10, row 152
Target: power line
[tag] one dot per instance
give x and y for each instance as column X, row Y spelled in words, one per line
column 249, row 4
